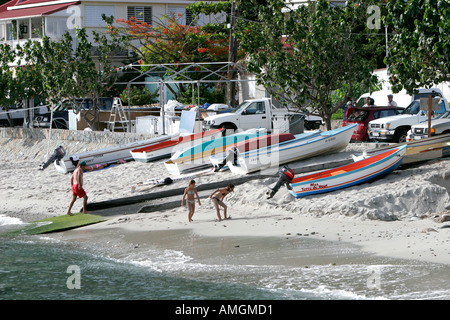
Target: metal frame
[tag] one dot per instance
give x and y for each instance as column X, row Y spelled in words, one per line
column 225, row 69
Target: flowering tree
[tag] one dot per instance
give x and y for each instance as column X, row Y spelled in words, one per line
column 171, row 42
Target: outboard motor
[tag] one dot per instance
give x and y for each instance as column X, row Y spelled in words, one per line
column 286, row 176
column 57, row 155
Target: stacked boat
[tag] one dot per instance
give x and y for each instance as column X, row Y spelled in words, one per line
column 166, row 148
column 302, row 146
column 197, row 156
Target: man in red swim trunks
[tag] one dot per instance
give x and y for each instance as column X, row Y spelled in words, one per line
column 77, row 187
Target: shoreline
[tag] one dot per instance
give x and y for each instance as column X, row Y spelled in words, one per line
column 392, row 216
column 420, row 240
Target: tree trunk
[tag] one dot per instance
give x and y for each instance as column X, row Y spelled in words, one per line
column 327, row 120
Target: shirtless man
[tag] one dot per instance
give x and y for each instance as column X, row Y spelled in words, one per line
column 77, row 187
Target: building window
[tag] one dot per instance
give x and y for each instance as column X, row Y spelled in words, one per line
column 182, row 15
column 141, row 14
column 93, row 15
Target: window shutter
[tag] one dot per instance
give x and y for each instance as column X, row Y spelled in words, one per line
column 93, row 15
column 143, row 14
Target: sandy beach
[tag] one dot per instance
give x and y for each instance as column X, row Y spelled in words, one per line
column 396, row 216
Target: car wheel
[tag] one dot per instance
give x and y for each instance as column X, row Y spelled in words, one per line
column 400, row 136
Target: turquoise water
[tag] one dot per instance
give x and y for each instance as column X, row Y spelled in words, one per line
column 31, row 269
column 179, row 265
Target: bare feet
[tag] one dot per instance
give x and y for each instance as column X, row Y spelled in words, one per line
column 70, row 214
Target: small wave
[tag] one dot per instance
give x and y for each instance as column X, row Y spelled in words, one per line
column 5, row 220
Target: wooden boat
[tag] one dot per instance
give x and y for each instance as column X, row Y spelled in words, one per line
column 434, row 147
column 196, row 157
column 165, row 149
column 303, row 146
column 109, row 155
column 348, row 175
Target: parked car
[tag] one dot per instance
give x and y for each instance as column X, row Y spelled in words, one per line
column 61, row 112
column 438, row 126
column 362, row 116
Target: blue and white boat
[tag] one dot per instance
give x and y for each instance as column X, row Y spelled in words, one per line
column 305, row 145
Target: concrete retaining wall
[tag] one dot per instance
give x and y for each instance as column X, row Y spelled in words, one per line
column 19, row 144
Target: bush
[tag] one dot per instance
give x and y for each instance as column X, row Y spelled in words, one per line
column 139, row 96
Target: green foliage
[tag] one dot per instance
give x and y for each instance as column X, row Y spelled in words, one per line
column 139, row 96
column 206, row 95
column 419, row 49
column 52, row 70
column 302, row 56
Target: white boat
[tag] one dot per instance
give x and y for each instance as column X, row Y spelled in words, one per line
column 219, row 160
column 108, row 155
column 166, row 148
column 304, row 146
column 196, row 157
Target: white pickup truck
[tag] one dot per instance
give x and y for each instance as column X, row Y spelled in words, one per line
column 395, row 128
column 438, row 126
column 254, row 113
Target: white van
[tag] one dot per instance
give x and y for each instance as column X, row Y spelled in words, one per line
column 381, row 100
column 402, row 98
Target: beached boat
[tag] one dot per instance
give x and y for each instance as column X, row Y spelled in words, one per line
column 304, row 146
column 434, row 147
column 363, row 170
column 196, row 157
column 165, row 149
column 109, row 155
column 219, row 160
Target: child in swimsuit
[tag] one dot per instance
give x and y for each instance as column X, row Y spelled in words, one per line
column 217, row 197
column 190, row 192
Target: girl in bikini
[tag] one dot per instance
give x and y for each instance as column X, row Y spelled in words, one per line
column 191, row 192
column 217, row 197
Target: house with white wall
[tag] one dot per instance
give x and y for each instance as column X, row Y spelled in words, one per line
column 22, row 20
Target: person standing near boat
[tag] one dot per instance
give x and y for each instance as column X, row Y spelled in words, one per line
column 77, row 187
column 191, row 192
column 217, row 198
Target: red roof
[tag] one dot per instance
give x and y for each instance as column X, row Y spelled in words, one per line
column 33, row 11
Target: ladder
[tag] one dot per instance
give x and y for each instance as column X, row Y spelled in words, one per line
column 117, row 116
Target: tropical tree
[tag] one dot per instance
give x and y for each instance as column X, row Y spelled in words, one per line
column 56, row 71
column 303, row 55
column 7, row 83
column 419, row 48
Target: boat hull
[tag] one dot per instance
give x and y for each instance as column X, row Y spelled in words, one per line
column 250, row 144
column 303, row 147
column 106, row 155
column 166, row 148
column 348, row 175
column 198, row 156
